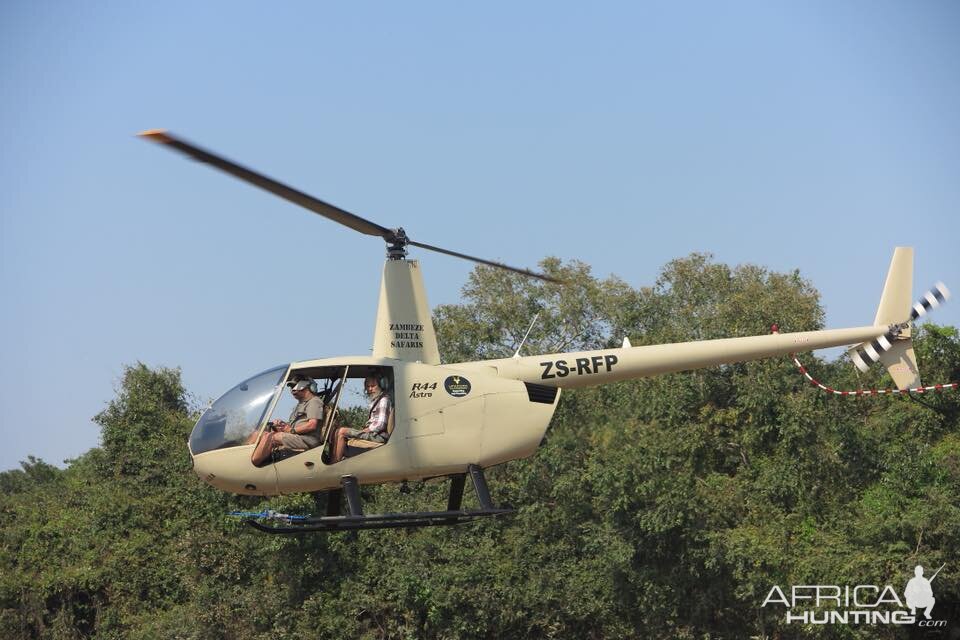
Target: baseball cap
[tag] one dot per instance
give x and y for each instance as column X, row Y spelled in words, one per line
column 301, row 384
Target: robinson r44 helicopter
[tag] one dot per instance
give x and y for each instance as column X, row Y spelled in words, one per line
column 455, row 420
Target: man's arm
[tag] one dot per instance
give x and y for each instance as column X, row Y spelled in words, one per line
column 305, row 426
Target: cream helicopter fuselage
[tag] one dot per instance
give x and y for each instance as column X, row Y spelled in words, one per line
column 447, row 417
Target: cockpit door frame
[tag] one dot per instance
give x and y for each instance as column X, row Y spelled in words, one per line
column 328, row 423
column 277, row 392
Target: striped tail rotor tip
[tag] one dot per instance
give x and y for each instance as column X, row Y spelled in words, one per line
column 943, row 290
column 930, row 300
column 858, row 360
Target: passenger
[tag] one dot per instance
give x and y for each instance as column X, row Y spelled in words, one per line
column 376, row 427
column 302, row 432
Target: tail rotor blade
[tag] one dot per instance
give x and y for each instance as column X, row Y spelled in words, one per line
column 932, row 299
column 869, row 352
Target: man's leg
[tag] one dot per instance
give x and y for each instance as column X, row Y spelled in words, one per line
column 927, row 611
column 264, row 448
column 340, row 443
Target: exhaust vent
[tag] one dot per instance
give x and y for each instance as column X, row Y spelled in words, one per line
column 541, row 393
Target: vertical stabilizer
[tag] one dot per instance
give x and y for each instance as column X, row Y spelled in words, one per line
column 895, row 303
column 898, row 289
column 894, row 350
column 404, row 328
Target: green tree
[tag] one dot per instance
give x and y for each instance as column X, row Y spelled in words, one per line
column 660, row 508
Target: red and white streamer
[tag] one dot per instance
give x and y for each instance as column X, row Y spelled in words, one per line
column 936, row 388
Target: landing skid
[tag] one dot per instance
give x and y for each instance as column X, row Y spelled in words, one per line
column 357, row 520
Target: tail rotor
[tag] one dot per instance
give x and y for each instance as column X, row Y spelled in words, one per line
column 894, row 348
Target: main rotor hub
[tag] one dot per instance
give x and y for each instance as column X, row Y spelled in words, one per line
column 397, row 243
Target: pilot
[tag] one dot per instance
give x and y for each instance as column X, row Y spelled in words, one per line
column 301, row 431
column 376, row 428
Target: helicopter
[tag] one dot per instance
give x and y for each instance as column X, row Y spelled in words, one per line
column 454, row 420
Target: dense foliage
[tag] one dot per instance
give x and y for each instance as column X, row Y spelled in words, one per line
column 658, row 508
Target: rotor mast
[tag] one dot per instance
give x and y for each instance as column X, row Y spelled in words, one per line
column 397, row 244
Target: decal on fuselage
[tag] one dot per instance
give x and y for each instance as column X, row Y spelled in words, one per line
column 406, row 335
column 457, row 386
column 423, row 389
column 580, row 367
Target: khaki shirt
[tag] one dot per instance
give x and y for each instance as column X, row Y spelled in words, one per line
column 308, row 410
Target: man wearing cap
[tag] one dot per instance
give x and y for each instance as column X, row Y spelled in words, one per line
column 301, row 431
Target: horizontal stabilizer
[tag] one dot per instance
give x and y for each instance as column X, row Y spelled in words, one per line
column 901, row 364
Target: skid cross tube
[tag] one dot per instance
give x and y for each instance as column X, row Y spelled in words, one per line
column 480, row 485
column 356, row 520
column 333, row 502
column 457, row 483
column 352, row 489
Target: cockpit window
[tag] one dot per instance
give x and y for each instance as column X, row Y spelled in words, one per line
column 237, row 414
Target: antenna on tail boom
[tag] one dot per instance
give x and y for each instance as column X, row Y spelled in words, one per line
column 530, row 328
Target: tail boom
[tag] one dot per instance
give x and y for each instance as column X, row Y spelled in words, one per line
column 588, row 368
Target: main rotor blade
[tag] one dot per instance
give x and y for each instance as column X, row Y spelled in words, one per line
column 316, row 205
column 499, row 265
column 325, row 209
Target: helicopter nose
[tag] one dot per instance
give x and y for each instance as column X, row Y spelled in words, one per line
column 203, row 466
column 231, row 470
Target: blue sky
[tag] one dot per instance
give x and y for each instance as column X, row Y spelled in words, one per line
column 810, row 135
